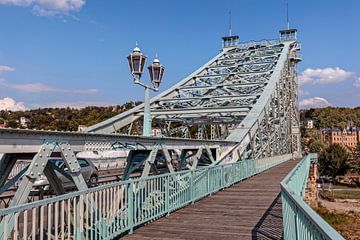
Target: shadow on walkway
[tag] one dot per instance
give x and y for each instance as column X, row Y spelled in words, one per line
column 270, row 225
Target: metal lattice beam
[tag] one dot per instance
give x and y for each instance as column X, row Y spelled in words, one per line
column 246, row 94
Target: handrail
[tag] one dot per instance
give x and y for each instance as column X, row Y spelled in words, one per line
column 300, row 221
column 107, row 211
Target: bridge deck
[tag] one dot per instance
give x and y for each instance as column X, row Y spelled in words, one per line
column 249, row 210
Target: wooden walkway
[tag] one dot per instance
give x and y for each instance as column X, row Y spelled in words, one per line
column 248, row 210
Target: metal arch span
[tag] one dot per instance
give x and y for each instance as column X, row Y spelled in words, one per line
column 246, row 94
column 209, row 103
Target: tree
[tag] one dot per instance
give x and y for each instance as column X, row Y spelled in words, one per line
column 357, row 152
column 333, row 161
column 316, row 146
column 356, row 155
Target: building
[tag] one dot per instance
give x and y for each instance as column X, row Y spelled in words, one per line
column 81, row 128
column 310, row 124
column 23, row 122
column 156, row 132
column 348, row 137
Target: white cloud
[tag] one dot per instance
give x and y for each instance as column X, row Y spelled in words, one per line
column 41, row 87
column 48, row 7
column 11, row 105
column 315, row 102
column 303, row 93
column 323, row 76
column 357, row 83
column 4, row 68
column 17, row 2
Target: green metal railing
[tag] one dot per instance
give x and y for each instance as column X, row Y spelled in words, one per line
column 299, row 220
column 107, row 211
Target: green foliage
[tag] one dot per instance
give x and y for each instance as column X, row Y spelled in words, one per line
column 316, row 146
column 333, row 161
column 348, row 194
column 335, row 218
column 63, row 119
column 332, row 117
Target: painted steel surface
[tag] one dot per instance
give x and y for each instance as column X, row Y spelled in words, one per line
column 105, row 212
column 246, row 94
column 300, row 221
column 30, row 141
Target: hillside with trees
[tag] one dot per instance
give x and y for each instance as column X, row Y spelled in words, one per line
column 337, row 117
column 61, row 119
column 334, row 159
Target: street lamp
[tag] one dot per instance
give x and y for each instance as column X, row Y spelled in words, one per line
column 156, row 71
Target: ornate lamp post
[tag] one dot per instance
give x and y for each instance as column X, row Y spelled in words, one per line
column 156, row 71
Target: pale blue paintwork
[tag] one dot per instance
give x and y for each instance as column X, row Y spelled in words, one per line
column 300, row 221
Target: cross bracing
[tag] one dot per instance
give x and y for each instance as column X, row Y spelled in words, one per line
column 246, row 94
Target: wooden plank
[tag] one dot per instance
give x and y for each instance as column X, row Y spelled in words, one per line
column 250, row 209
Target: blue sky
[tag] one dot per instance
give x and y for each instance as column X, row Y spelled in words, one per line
column 73, row 52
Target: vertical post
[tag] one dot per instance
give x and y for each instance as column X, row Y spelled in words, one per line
column 192, row 190
column 167, row 194
column 297, row 233
column 147, row 114
column 131, row 206
column 209, row 190
column 222, row 177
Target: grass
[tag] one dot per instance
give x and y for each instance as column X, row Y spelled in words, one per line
column 344, row 194
column 331, row 217
column 347, row 225
column 335, row 218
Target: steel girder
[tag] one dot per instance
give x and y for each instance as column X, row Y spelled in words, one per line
column 272, row 126
column 28, row 142
column 222, row 92
column 246, row 94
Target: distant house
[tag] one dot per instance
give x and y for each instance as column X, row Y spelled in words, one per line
column 310, row 124
column 156, row 131
column 81, row 128
column 348, row 137
column 23, row 122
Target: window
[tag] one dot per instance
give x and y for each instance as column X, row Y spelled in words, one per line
column 83, row 163
column 57, row 162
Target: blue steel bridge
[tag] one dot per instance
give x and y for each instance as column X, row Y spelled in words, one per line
column 229, row 137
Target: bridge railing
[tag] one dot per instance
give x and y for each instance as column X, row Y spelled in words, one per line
column 107, row 211
column 300, row 221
